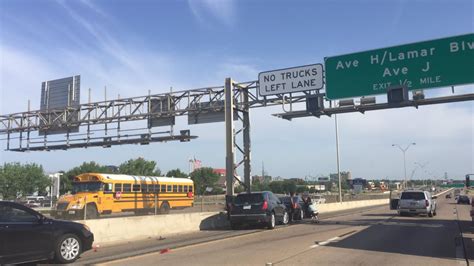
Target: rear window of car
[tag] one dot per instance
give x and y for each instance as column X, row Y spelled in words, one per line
column 413, row 195
column 248, row 198
column 285, row 199
column 463, row 197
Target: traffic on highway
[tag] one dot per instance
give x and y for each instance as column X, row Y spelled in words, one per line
column 224, row 132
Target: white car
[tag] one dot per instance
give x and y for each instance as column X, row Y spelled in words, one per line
column 318, row 199
column 417, row 202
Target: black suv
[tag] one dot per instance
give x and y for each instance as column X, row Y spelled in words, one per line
column 257, row 208
column 26, row 236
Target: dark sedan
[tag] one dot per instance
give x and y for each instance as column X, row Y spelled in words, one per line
column 463, row 199
column 27, row 236
column 257, row 208
column 298, row 212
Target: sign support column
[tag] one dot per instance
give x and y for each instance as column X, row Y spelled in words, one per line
column 229, row 133
column 246, row 125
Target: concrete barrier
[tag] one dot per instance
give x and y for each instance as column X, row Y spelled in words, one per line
column 336, row 206
column 119, row 230
column 123, row 229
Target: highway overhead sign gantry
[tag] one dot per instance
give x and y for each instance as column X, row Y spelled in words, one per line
column 423, row 65
column 288, row 80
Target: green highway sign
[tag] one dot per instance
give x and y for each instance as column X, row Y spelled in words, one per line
column 423, row 65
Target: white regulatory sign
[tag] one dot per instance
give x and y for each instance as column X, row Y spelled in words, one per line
column 303, row 78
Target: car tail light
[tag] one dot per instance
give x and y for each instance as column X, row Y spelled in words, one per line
column 265, row 205
column 427, row 203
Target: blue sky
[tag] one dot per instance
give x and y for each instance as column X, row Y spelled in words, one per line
column 135, row 46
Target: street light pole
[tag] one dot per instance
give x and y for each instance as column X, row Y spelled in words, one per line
column 422, row 166
column 404, row 150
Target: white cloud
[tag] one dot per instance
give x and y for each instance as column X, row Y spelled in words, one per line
column 207, row 10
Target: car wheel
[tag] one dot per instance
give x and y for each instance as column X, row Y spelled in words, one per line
column 430, row 214
column 165, row 208
column 271, row 223
column 286, row 218
column 68, row 249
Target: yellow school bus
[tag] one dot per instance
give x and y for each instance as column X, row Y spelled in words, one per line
column 95, row 194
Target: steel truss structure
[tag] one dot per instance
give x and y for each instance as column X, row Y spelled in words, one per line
column 232, row 99
column 112, row 114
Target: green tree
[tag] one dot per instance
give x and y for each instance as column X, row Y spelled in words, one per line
column 239, row 189
column 258, row 186
column 204, row 177
column 21, row 180
column 276, row 187
column 85, row 167
column 139, row 166
column 176, row 173
column 281, row 187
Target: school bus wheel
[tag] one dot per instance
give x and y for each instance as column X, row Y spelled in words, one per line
column 91, row 211
column 165, row 208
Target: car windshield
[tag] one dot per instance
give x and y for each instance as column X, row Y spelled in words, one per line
column 248, row 198
column 413, row 195
column 86, row 187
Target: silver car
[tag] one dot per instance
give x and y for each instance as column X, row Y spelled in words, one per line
column 417, row 202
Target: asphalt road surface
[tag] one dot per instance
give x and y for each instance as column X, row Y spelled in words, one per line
column 374, row 237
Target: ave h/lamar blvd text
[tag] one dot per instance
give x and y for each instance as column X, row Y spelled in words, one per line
column 423, row 65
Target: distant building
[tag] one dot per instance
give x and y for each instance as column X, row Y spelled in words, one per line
column 345, row 175
column 318, row 188
column 357, row 182
column 277, row 178
column 323, row 179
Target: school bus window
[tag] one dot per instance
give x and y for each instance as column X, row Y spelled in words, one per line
column 127, row 187
column 168, row 188
column 144, row 188
column 136, row 187
column 190, row 188
column 163, row 188
column 175, row 188
column 108, row 187
column 185, row 188
column 118, row 187
column 180, row 188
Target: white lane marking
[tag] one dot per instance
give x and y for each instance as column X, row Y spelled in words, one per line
column 325, row 242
